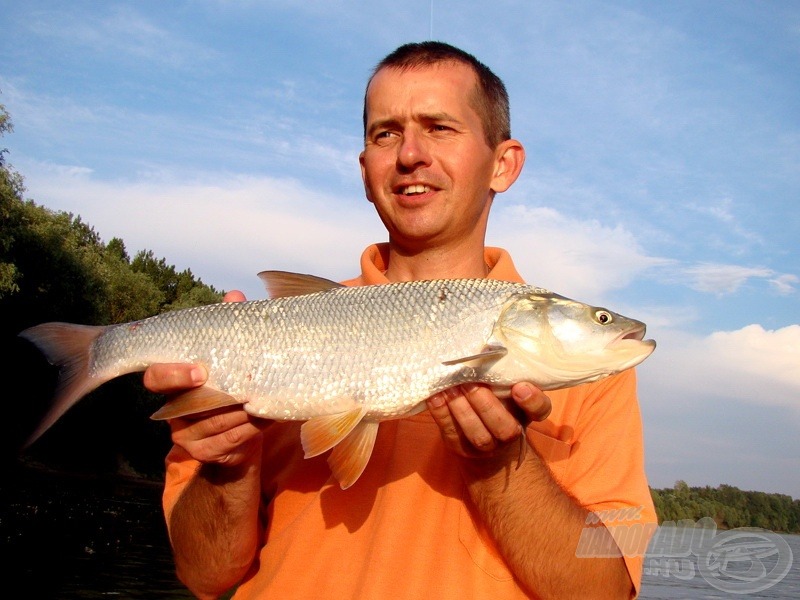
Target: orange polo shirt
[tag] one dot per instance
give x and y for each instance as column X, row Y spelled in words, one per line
column 405, row 528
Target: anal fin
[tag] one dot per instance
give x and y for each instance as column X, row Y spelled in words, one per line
column 350, row 457
column 320, row 434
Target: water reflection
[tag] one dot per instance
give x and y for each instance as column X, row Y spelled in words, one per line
column 68, row 537
column 78, row 537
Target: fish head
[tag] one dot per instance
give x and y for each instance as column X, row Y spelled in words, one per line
column 560, row 342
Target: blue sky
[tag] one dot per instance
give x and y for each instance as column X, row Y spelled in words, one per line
column 662, row 178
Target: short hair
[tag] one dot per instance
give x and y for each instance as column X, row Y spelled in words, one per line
column 489, row 98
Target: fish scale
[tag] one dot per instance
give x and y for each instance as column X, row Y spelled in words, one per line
column 385, row 358
column 343, row 359
column 293, row 358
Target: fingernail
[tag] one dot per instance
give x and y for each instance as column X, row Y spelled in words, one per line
column 524, row 392
column 469, row 387
column 198, row 375
column 436, row 401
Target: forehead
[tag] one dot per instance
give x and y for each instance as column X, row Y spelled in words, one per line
column 446, row 86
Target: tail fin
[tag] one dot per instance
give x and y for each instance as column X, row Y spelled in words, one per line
column 68, row 347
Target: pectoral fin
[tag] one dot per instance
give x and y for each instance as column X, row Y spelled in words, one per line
column 323, row 433
column 350, row 457
column 488, row 352
column 194, row 401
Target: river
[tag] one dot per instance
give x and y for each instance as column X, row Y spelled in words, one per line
column 71, row 537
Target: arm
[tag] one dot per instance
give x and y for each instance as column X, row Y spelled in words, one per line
column 534, row 522
column 212, row 510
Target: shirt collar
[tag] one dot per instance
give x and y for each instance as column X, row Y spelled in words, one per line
column 375, row 261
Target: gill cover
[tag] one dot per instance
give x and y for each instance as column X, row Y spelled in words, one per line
column 552, row 341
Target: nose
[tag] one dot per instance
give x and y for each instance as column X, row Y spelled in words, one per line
column 413, row 152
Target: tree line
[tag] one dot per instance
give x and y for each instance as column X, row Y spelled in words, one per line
column 55, row 267
column 729, row 506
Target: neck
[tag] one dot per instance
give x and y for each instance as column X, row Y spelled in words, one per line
column 466, row 260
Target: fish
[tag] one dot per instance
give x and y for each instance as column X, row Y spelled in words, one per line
column 343, row 359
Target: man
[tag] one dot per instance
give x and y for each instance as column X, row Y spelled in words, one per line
column 445, row 508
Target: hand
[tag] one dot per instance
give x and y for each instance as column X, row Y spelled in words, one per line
column 477, row 424
column 227, row 436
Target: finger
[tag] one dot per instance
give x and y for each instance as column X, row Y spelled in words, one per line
column 229, row 448
column 492, row 413
column 217, row 437
column 168, row 378
column 469, row 409
column 440, row 411
column 451, row 430
column 234, row 296
column 212, row 422
column 534, row 403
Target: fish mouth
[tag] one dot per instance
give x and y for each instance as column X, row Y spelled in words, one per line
column 632, row 338
column 637, row 333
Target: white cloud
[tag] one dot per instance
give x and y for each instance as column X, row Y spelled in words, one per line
column 752, row 364
column 227, row 227
column 764, row 354
column 722, row 279
column 723, row 408
column 784, row 284
column 226, row 232
column 45, row 115
column 583, row 259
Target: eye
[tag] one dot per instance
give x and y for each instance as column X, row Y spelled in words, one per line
column 440, row 129
column 603, row 317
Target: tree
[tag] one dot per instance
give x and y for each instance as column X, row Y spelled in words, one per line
column 729, row 506
column 55, row 267
column 11, row 190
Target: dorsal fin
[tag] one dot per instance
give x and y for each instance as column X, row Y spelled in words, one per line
column 283, row 284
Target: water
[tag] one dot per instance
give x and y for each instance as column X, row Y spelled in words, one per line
column 703, row 563
column 69, row 537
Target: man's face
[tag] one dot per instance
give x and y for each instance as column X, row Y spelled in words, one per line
column 426, row 164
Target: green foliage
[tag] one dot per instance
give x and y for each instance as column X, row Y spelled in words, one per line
column 180, row 289
column 55, row 267
column 11, row 190
column 729, row 506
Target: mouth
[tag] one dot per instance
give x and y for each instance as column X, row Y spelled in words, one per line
column 633, row 337
column 634, row 334
column 415, row 189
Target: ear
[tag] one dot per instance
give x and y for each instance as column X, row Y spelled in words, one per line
column 364, row 176
column 509, row 159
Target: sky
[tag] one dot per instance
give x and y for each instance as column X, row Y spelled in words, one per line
column 662, row 177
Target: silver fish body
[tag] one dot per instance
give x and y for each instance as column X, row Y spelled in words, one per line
column 343, row 359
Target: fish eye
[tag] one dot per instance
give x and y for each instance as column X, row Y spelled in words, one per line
column 603, row 317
